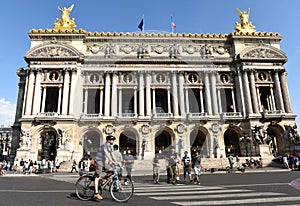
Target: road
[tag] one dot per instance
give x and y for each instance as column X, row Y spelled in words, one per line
column 215, row 189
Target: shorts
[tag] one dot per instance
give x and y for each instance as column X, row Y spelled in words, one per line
column 197, row 170
column 100, row 166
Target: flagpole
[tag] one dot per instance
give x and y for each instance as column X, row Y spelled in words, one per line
column 172, row 28
column 144, row 24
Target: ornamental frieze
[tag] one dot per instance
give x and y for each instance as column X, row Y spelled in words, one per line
column 263, row 52
column 127, row 49
column 52, row 51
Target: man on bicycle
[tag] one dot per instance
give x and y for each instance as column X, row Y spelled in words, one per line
column 104, row 158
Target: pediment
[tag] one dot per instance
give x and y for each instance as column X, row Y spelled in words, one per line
column 263, row 53
column 52, row 51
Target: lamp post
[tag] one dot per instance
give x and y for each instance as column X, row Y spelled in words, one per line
column 4, row 146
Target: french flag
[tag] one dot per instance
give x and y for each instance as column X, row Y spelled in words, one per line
column 172, row 23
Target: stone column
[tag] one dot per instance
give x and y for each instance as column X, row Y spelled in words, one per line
column 141, row 95
column 214, row 93
column 37, row 93
column 233, row 100
column 59, row 99
column 44, row 99
column 107, row 95
column 240, row 93
column 114, row 94
column 120, row 102
column 66, row 93
column 135, row 101
column 175, row 95
column 253, row 92
column 29, row 96
column 207, row 94
column 220, row 100
column 73, row 91
column 101, row 101
column 278, row 92
column 25, row 93
column 153, row 100
column 285, row 92
column 169, row 100
column 86, row 94
column 273, row 99
column 187, row 106
column 201, row 100
column 148, row 95
column 258, row 98
column 247, row 92
column 181, row 95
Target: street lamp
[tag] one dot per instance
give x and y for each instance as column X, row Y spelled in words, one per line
column 4, row 148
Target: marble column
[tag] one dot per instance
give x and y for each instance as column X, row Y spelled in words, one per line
column 240, row 93
column 107, row 95
column 153, row 101
column 201, row 100
column 220, row 101
column 114, row 98
column 101, row 102
column 148, row 95
column 141, row 95
column 272, row 98
column 73, row 91
column 233, row 100
column 285, row 92
column 175, row 94
column 278, row 92
column 247, row 92
column 187, row 104
column 44, row 98
column 37, row 93
column 120, row 102
column 25, row 93
column 207, row 94
column 181, row 95
column 29, row 96
column 59, row 98
column 214, row 94
column 86, row 94
column 135, row 101
column 253, row 92
column 66, row 94
column 258, row 98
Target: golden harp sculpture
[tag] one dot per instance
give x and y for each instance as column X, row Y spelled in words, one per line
column 65, row 22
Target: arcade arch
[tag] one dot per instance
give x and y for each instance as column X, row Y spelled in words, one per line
column 91, row 142
column 198, row 141
column 128, row 141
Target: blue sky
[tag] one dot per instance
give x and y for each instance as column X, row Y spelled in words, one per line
column 193, row 16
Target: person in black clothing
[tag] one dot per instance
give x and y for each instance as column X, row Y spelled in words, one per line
column 186, row 162
column 172, row 158
column 74, row 166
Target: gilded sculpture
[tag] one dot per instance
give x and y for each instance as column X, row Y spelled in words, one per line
column 65, row 22
column 244, row 25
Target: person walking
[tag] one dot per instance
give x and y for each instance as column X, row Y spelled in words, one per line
column 156, row 168
column 104, row 158
column 81, row 166
column 196, row 162
column 186, row 163
column 230, row 160
column 128, row 163
column 74, row 166
column 119, row 158
column 172, row 159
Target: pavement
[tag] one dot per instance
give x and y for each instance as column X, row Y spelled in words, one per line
column 141, row 172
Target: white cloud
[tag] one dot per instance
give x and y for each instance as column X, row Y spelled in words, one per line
column 7, row 112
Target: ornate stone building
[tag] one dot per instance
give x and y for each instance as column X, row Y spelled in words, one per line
column 217, row 93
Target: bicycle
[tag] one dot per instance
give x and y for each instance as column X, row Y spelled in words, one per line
column 121, row 190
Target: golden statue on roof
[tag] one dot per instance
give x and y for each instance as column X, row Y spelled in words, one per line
column 65, row 22
column 244, row 25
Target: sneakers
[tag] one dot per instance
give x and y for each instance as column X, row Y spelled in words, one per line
column 97, row 196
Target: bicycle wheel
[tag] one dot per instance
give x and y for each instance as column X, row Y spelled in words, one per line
column 84, row 188
column 121, row 190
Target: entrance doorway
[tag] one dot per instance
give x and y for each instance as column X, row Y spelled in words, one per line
column 232, row 146
column 90, row 144
column 162, row 141
column 49, row 145
column 197, row 142
column 128, row 142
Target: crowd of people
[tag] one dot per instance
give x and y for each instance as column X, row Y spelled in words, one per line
column 290, row 161
column 191, row 167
